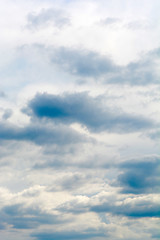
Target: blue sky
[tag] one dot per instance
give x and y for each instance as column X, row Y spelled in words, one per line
column 79, row 129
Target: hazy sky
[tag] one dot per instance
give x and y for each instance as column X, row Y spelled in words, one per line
column 79, row 129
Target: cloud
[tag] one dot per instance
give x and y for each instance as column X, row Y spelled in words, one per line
column 21, row 217
column 121, row 23
column 2, row 94
column 85, row 63
column 74, row 159
column 142, row 72
column 86, row 66
column 54, row 17
column 156, row 235
column 68, row 235
column 145, row 206
column 141, row 176
column 138, row 25
column 154, row 135
column 7, row 114
column 110, row 21
column 63, row 160
column 137, row 209
column 75, row 183
column 86, row 110
column 41, row 134
column 2, row 226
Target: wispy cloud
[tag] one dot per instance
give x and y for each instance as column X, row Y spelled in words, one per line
column 51, row 17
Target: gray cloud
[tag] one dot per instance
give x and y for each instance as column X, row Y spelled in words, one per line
column 85, row 63
column 7, row 114
column 74, row 182
column 2, row 94
column 114, row 205
column 142, row 72
column 69, row 235
column 88, row 111
column 89, row 65
column 82, row 62
column 21, row 217
column 137, row 210
column 46, row 17
column 141, row 176
column 41, row 134
column 156, row 235
column 154, row 135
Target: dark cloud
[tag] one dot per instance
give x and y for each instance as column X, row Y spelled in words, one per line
column 68, row 235
column 140, row 177
column 46, row 17
column 86, row 110
column 41, row 134
column 141, row 209
column 21, row 217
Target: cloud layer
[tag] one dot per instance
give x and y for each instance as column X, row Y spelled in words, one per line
column 79, row 120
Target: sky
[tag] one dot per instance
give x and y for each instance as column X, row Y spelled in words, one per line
column 79, row 120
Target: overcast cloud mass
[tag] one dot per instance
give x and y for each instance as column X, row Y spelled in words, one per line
column 79, row 120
